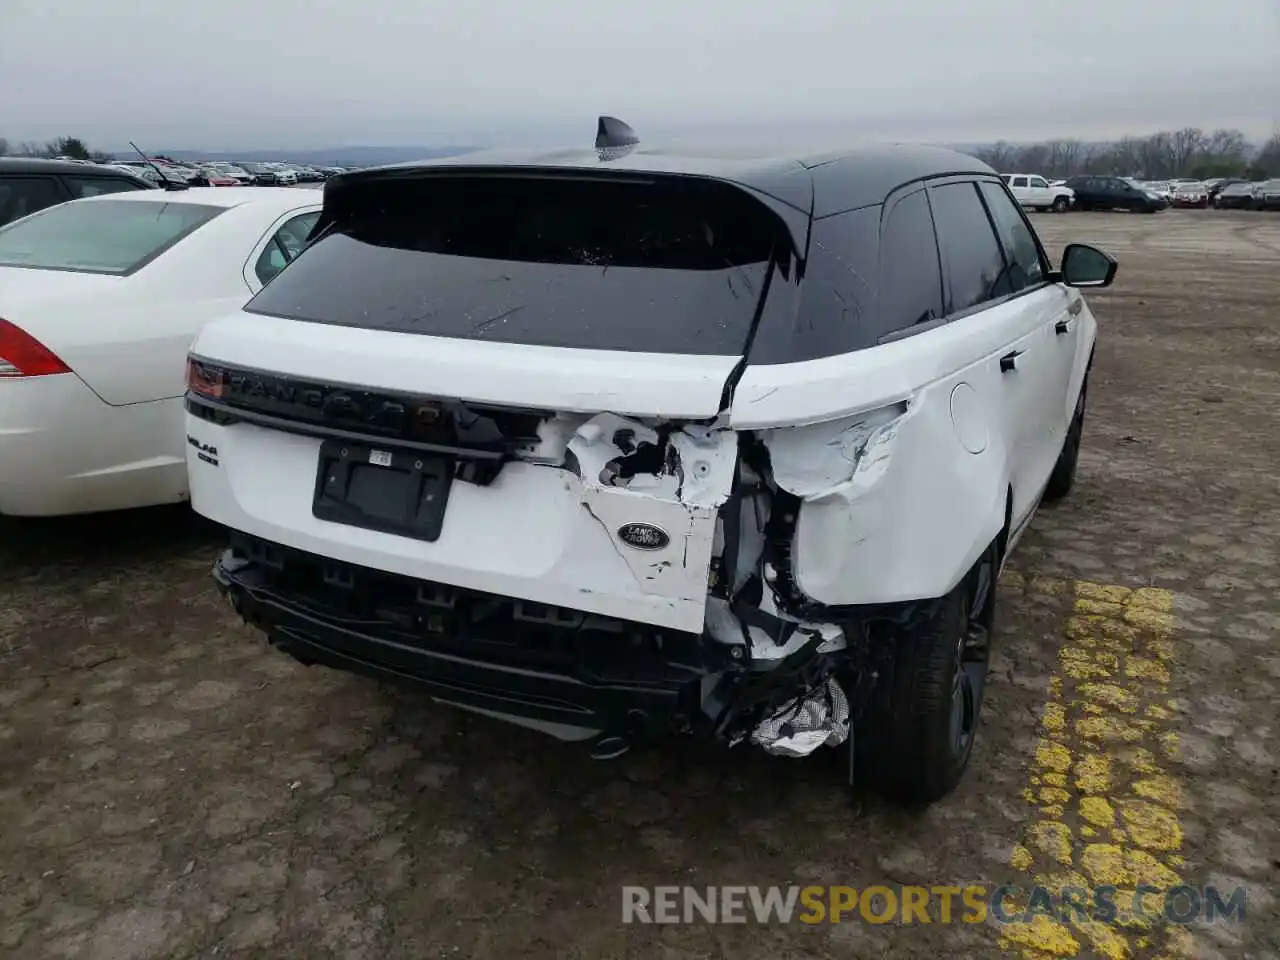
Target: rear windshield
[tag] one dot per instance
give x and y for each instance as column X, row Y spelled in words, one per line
column 666, row 266
column 100, row 236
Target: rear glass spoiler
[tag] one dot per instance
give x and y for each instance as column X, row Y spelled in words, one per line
column 343, row 194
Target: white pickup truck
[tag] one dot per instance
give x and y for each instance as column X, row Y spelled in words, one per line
column 1037, row 193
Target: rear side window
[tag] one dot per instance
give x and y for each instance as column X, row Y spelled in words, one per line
column 284, row 246
column 100, row 236
column 20, row 196
column 95, row 186
column 663, row 265
column 832, row 307
column 973, row 261
column 1023, row 265
column 910, row 274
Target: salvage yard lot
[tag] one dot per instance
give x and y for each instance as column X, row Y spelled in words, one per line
column 171, row 787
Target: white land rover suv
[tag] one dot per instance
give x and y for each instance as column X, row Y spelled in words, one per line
column 618, row 442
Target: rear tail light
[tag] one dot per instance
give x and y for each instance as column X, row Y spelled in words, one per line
column 22, row 355
column 204, row 380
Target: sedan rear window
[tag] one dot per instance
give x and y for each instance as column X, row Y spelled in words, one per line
column 100, row 236
column 663, row 265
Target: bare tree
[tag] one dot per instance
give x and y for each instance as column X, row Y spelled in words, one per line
column 1267, row 162
column 1063, row 157
column 1155, row 155
column 1184, row 146
column 1097, row 158
column 1128, row 154
column 1225, row 146
column 1032, row 158
column 999, row 156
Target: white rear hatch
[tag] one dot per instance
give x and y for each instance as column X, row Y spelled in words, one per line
column 569, row 344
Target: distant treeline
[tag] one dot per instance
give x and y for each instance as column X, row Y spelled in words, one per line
column 1190, row 152
column 72, row 147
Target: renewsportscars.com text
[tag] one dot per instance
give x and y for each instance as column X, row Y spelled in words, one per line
column 968, row 903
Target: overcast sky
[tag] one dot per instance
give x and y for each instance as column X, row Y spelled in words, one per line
column 209, row 74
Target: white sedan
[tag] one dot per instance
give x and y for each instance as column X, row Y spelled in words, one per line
column 99, row 300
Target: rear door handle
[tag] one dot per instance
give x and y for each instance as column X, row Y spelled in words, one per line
column 1061, row 327
column 1009, row 362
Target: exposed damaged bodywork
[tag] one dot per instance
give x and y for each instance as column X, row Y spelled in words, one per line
column 693, row 511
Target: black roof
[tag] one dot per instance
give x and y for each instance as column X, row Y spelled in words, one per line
column 34, row 165
column 820, row 183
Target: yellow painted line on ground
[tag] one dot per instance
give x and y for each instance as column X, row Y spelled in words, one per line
column 1106, row 802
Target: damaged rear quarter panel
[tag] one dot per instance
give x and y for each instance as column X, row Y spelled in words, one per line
column 912, row 518
column 893, row 508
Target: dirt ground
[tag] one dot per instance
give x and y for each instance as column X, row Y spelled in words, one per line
column 170, row 787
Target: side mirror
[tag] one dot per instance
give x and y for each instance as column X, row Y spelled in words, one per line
column 1086, row 266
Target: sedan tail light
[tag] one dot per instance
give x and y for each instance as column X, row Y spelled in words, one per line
column 22, row 355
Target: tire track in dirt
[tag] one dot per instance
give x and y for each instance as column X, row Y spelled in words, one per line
column 1248, row 232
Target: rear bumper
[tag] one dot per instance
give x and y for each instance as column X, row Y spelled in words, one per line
column 483, row 652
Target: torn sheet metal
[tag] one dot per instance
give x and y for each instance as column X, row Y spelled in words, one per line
column 753, row 510
column 806, row 723
column 811, row 461
column 628, row 475
column 832, row 635
column 722, row 625
column 694, row 467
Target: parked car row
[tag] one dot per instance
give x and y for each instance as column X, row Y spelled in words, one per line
column 1141, row 196
column 30, row 185
column 220, row 173
column 1246, row 195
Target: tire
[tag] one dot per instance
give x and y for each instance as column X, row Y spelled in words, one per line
column 1060, row 204
column 915, row 738
column 1063, row 477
